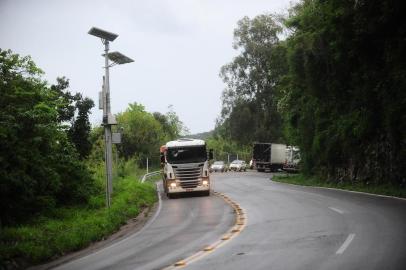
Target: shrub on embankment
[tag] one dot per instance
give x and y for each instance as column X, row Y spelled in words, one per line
column 68, row 229
column 43, row 142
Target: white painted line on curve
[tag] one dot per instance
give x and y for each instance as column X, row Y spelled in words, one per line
column 346, row 243
column 337, row 210
column 149, row 222
column 342, row 190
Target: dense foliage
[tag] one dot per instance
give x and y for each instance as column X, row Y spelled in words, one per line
column 228, row 150
column 51, row 165
column 252, row 78
column 39, row 163
column 142, row 134
column 335, row 86
column 51, row 169
column 71, row 228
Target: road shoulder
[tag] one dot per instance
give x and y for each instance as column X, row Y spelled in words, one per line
column 131, row 227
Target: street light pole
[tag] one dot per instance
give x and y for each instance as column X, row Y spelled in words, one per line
column 107, row 126
column 108, row 118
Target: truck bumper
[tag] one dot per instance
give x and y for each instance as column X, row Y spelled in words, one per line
column 202, row 186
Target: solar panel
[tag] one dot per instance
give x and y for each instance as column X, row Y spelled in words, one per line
column 102, row 34
column 119, row 58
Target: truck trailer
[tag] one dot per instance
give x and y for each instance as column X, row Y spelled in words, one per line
column 185, row 167
column 269, row 156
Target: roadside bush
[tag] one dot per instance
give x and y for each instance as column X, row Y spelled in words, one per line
column 39, row 165
column 72, row 228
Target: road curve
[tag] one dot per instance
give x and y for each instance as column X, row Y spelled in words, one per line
column 287, row 227
column 293, row 227
column 182, row 227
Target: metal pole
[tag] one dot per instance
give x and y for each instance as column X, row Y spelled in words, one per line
column 116, row 174
column 228, row 158
column 107, row 126
column 147, row 165
column 105, row 148
column 105, row 142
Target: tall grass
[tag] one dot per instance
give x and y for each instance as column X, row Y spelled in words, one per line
column 68, row 229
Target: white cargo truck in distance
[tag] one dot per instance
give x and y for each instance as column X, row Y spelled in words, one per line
column 185, row 167
column 269, row 156
column 292, row 163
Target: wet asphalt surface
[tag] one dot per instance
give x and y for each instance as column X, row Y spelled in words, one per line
column 287, row 227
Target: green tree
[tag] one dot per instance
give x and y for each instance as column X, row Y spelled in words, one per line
column 250, row 100
column 73, row 112
column 79, row 132
column 346, row 94
column 171, row 124
column 225, row 149
column 335, row 86
column 39, row 166
column 64, row 100
column 142, row 133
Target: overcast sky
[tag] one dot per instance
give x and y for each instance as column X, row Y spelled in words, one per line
column 178, row 46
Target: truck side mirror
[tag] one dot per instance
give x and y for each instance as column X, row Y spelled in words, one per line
column 162, row 159
column 210, row 154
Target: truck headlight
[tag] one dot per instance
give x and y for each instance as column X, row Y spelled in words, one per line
column 205, row 182
column 173, row 185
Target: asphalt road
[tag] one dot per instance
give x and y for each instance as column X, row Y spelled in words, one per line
column 287, row 227
column 292, row 227
column 181, row 226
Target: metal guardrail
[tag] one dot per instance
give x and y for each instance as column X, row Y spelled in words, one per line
column 149, row 175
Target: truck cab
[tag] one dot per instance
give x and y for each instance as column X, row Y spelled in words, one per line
column 185, row 167
column 292, row 159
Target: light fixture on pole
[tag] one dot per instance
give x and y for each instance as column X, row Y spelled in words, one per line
column 108, row 117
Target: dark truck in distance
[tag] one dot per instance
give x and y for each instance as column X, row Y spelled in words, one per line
column 269, row 156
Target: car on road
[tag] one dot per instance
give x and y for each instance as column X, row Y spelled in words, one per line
column 218, row 166
column 238, row 166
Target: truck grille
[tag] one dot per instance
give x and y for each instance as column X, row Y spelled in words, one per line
column 188, row 176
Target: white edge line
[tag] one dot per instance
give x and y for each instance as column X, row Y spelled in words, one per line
column 337, row 210
column 364, row 193
column 130, row 236
column 343, row 190
column 346, row 243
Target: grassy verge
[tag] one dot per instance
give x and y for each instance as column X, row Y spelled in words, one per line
column 70, row 229
column 299, row 179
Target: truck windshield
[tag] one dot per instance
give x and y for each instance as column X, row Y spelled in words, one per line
column 193, row 154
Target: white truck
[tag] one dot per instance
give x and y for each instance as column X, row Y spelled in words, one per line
column 185, row 167
column 292, row 159
column 269, row 156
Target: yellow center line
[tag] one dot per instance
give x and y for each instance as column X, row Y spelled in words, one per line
column 240, row 223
